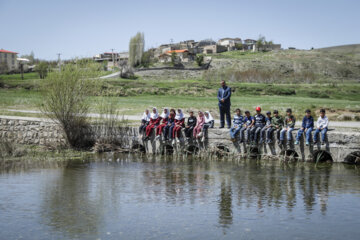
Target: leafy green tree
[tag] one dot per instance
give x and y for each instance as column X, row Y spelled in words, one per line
column 199, row 59
column 42, row 69
column 146, row 59
column 136, row 49
column 173, row 58
column 239, row 46
column 260, row 42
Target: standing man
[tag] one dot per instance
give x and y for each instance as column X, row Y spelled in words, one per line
column 223, row 96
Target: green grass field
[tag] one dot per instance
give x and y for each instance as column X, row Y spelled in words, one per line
column 133, row 96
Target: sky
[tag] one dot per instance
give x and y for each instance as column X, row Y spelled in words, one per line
column 83, row 28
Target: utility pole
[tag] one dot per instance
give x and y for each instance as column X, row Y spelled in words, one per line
column 59, row 61
column 112, row 56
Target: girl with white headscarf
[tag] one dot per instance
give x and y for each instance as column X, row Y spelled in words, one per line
column 164, row 120
column 209, row 121
column 154, row 122
column 179, row 123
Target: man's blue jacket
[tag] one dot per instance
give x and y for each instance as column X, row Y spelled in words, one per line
column 224, row 93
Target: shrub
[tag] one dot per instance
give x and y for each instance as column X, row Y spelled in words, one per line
column 65, row 101
column 199, row 60
column 42, row 69
column 109, row 129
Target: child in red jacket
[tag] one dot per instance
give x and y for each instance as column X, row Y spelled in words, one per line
column 165, row 117
column 154, row 122
column 179, row 124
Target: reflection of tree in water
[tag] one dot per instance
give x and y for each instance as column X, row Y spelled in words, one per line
column 71, row 206
column 225, row 204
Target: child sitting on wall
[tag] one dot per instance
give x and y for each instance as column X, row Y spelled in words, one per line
column 191, row 123
column 264, row 130
column 164, row 119
column 179, row 124
column 259, row 124
column 199, row 125
column 170, row 123
column 238, row 122
column 145, row 119
column 277, row 122
column 289, row 127
column 248, row 124
column 307, row 127
column 154, row 122
column 321, row 127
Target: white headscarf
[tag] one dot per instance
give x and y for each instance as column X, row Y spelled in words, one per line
column 146, row 116
column 154, row 115
column 179, row 116
column 209, row 118
column 165, row 115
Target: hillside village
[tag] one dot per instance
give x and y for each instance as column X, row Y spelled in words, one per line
column 185, row 51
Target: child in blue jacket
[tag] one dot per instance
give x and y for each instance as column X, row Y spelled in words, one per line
column 307, row 127
column 238, row 122
column 247, row 126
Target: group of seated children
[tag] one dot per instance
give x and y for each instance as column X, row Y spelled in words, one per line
column 250, row 128
column 255, row 129
column 169, row 124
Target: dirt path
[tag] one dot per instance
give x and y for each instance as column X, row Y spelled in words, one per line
column 333, row 124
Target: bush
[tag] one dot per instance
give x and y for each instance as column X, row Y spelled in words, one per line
column 280, row 91
column 199, row 60
column 65, row 101
column 110, row 129
column 42, row 69
column 318, row 94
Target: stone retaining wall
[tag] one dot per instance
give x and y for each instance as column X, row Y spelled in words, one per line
column 31, row 132
column 42, row 132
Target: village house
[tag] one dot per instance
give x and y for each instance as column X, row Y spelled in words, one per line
column 214, row 49
column 249, row 44
column 109, row 56
column 229, row 43
column 8, row 61
column 183, row 55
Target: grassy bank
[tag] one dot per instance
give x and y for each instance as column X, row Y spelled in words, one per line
column 27, row 99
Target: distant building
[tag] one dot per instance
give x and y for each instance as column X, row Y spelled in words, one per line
column 183, row 55
column 214, row 49
column 8, row 61
column 229, row 43
column 108, row 56
column 249, row 44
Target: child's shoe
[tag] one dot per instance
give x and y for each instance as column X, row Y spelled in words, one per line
column 157, row 137
column 323, row 143
column 307, row 143
column 296, row 142
column 315, row 142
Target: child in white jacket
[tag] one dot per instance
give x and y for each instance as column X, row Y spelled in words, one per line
column 321, row 127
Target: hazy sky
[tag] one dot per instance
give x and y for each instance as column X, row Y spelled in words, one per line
column 85, row 27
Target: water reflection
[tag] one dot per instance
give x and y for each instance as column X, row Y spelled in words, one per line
column 86, row 196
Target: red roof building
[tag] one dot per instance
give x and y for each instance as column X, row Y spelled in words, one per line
column 6, row 51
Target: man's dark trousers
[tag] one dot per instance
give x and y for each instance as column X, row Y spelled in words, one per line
column 225, row 110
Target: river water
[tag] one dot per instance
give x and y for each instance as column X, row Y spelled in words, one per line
column 133, row 197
